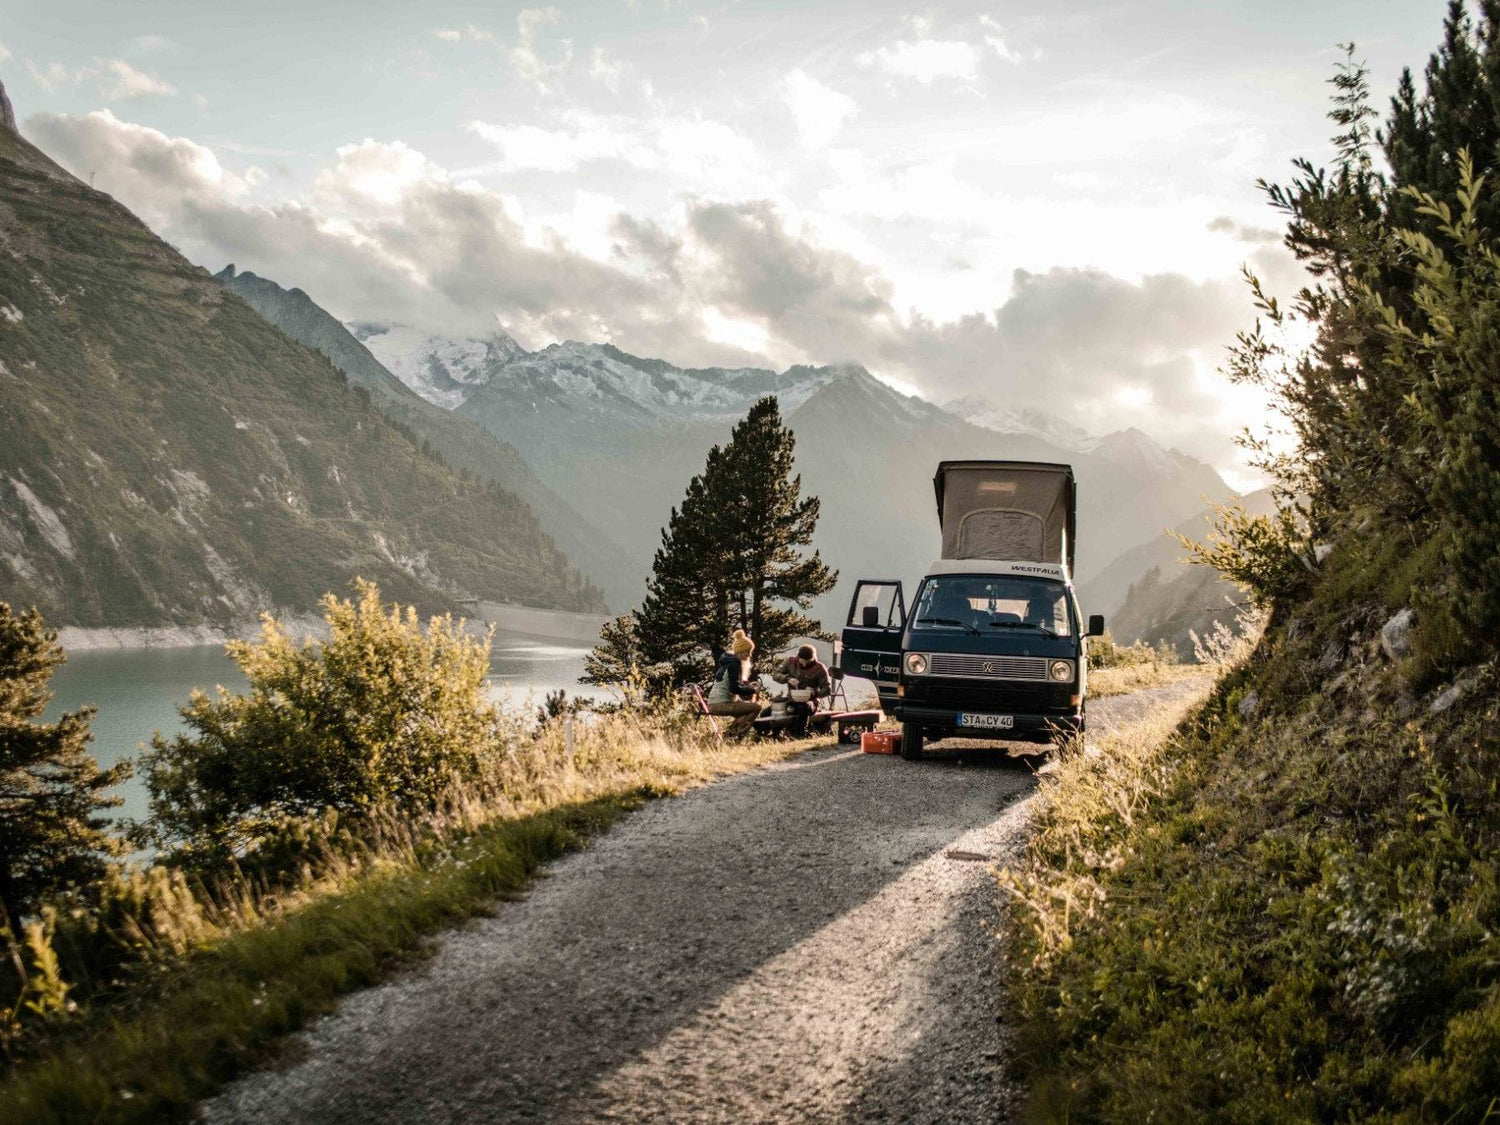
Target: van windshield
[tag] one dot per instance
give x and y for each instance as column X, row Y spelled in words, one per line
column 985, row 604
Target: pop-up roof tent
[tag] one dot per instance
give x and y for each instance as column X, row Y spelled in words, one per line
column 1013, row 510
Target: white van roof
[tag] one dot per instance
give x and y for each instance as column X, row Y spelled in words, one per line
column 1054, row 571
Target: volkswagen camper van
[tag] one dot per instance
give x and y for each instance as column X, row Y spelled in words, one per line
column 992, row 644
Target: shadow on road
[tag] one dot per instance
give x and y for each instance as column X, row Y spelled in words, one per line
column 523, row 1015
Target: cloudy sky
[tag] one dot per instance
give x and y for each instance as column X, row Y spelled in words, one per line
column 1046, row 204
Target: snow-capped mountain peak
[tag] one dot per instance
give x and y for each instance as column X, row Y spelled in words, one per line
column 442, row 370
column 980, row 411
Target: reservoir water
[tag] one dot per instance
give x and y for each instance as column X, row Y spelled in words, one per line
column 138, row 691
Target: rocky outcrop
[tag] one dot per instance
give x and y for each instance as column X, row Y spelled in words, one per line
column 1395, row 634
column 7, row 114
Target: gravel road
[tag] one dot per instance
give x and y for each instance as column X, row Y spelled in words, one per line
column 812, row 940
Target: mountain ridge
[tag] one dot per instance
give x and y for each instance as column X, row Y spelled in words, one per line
column 169, row 458
column 461, row 442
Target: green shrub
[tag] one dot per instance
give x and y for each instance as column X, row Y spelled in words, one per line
column 384, row 712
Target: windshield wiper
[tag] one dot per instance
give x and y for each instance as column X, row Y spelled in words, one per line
column 1022, row 625
column 948, row 621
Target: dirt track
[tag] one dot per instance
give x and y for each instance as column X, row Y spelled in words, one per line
column 808, row 941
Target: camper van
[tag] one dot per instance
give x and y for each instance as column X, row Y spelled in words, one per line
column 991, row 644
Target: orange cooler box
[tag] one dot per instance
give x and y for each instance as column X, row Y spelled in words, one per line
column 879, row 741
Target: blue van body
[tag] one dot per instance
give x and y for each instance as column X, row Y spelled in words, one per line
column 990, row 646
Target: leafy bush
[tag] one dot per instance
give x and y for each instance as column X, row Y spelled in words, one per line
column 1268, row 556
column 384, row 712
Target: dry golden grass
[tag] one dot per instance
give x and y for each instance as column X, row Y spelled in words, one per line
column 1105, row 682
column 1098, row 785
column 224, row 969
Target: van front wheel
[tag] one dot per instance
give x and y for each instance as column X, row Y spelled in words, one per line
column 911, row 741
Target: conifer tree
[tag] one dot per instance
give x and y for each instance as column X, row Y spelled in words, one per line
column 732, row 555
column 51, row 788
column 771, row 581
column 684, row 621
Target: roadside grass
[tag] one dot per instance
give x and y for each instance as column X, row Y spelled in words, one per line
column 224, row 972
column 1104, row 682
column 1284, row 907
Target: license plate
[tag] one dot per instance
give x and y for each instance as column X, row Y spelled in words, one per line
column 987, row 722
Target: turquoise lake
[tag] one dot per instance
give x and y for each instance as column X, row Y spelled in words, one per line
column 138, row 691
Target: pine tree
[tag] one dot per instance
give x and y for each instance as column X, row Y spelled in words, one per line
column 617, row 661
column 51, row 787
column 732, row 555
column 684, row 621
column 771, row 581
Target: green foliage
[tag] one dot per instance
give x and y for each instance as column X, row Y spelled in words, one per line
column 51, row 788
column 1289, row 914
column 1394, row 405
column 732, row 556
column 383, row 712
column 1269, row 557
column 618, row 662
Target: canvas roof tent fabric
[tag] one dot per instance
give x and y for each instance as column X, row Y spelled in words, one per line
column 1013, row 510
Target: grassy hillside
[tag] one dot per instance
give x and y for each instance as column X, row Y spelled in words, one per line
column 167, row 457
column 1291, row 910
column 1288, row 912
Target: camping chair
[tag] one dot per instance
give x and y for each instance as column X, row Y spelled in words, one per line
column 692, row 694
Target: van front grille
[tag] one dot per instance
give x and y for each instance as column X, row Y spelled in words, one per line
column 1029, row 668
column 983, row 697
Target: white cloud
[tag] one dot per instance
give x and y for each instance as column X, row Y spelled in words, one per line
column 698, row 154
column 528, row 65
column 123, row 82
column 386, row 233
column 819, row 110
column 449, row 34
column 1005, row 48
column 925, row 60
column 153, row 173
column 52, row 77
column 4, row 53
column 564, row 150
column 152, row 44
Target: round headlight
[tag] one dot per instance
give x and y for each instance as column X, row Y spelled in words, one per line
column 916, row 663
column 1062, row 670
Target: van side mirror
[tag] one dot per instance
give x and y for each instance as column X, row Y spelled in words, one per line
column 1096, row 624
column 870, row 617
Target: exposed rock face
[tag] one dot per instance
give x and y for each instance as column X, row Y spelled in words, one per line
column 1395, row 634
column 1250, row 705
column 7, row 114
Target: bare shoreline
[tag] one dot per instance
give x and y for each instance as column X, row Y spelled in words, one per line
column 548, row 624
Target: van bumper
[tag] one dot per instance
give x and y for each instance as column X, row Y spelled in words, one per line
column 1028, row 726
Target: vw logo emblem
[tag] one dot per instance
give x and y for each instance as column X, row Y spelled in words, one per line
column 989, row 666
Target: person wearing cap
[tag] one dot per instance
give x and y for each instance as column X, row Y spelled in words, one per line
column 733, row 692
column 803, row 671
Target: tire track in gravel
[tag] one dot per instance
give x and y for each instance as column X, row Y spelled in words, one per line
column 812, row 940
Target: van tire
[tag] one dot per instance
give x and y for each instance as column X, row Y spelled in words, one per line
column 911, row 741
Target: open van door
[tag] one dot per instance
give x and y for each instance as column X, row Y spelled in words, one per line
column 872, row 636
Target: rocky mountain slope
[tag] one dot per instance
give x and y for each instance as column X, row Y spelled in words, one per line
column 1153, row 594
column 168, row 457
column 460, row 441
column 618, row 436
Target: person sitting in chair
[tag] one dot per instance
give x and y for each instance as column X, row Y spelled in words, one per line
column 734, row 692
column 803, row 671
